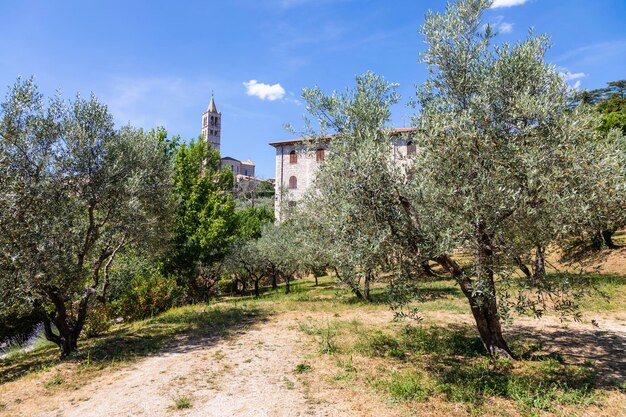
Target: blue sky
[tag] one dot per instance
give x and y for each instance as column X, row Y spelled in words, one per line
column 156, row 62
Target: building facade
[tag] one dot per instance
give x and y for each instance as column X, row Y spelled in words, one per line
column 297, row 163
column 243, row 168
column 212, row 133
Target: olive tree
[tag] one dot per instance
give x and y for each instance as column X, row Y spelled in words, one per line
column 346, row 217
column 504, row 166
column 247, row 263
column 502, row 154
column 74, row 193
column 279, row 246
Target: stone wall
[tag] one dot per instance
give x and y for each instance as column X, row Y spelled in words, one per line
column 303, row 171
column 306, row 168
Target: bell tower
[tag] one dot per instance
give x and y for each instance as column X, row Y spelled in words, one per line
column 212, row 125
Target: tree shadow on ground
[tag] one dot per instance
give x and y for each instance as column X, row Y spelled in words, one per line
column 605, row 349
column 451, row 360
column 430, row 294
column 180, row 330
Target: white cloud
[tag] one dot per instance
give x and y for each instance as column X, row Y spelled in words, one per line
column 264, row 91
column 507, row 3
column 568, row 76
column 571, row 76
column 498, row 24
column 505, row 27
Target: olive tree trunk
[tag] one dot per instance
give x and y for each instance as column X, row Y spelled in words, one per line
column 540, row 263
column 68, row 328
column 366, row 286
column 484, row 309
column 287, row 286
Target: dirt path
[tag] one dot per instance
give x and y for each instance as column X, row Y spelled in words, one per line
column 251, row 374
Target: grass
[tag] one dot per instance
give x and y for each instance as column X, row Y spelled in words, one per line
column 289, row 384
column 182, row 402
column 449, row 363
column 302, row 368
column 129, row 342
column 414, row 364
column 610, row 295
column 408, row 365
column 56, row 380
column 21, row 344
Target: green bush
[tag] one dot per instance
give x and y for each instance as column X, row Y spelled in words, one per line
column 98, row 319
column 226, row 286
column 148, row 294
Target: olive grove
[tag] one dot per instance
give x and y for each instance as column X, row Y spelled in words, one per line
column 504, row 168
column 74, row 194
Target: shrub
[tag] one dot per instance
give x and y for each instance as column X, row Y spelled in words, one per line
column 98, row 319
column 148, row 294
column 226, row 286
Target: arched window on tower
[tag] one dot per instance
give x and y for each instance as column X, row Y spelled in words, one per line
column 293, row 183
column 293, row 157
column 319, row 155
column 410, row 148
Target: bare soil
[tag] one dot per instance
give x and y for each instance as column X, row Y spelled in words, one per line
column 251, row 374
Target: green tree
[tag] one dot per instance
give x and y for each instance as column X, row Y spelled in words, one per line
column 74, row 193
column 610, row 102
column 504, row 165
column 353, row 185
column 247, row 263
column 249, row 221
column 502, row 154
column 204, row 221
column 281, row 251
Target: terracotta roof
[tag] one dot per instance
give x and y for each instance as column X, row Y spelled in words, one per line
column 328, row 137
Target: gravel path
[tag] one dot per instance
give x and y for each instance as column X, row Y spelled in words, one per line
column 250, row 374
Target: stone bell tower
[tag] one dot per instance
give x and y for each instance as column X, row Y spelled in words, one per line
column 212, row 125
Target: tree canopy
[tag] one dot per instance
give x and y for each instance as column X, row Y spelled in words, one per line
column 504, row 166
column 74, row 193
column 204, row 220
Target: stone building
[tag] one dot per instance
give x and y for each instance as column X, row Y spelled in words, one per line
column 243, row 168
column 212, row 125
column 297, row 162
column 212, row 133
